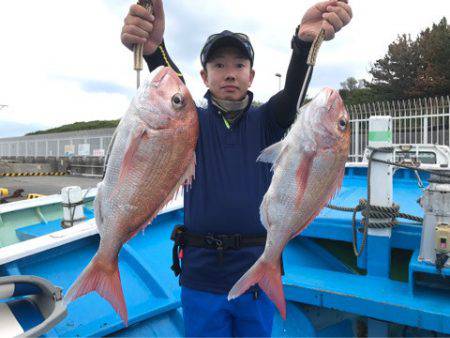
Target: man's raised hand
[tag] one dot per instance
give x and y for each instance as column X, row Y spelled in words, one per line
column 141, row 27
column 330, row 15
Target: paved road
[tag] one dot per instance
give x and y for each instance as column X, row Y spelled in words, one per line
column 46, row 185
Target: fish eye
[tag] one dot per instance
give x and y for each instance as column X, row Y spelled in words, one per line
column 178, row 101
column 342, row 124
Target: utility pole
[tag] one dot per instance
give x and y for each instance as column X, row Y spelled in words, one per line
column 278, row 75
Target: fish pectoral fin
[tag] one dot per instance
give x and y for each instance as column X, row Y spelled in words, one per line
column 334, row 190
column 189, row 175
column 336, row 186
column 302, row 175
column 185, row 180
column 273, row 153
column 141, row 133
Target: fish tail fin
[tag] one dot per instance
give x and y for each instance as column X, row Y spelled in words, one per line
column 103, row 279
column 268, row 277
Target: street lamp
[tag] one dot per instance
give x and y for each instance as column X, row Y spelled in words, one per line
column 279, row 76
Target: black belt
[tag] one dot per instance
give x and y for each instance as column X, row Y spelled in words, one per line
column 182, row 238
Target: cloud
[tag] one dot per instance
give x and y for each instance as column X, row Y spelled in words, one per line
column 98, row 86
column 11, row 129
column 63, row 61
column 105, row 87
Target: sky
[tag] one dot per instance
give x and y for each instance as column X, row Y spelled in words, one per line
column 62, row 61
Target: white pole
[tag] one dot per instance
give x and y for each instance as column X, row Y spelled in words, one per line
column 279, row 76
column 380, row 136
column 448, row 120
column 381, row 194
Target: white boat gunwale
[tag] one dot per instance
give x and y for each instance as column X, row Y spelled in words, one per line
column 55, row 239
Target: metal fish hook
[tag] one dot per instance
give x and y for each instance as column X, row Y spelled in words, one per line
column 138, row 49
column 311, row 61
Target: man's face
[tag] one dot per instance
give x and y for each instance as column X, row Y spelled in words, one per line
column 228, row 74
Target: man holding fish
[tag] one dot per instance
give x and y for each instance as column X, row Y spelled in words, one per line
column 230, row 205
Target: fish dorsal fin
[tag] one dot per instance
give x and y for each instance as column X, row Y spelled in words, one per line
column 272, row 154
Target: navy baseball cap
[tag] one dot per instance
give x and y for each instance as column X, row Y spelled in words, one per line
column 227, row 39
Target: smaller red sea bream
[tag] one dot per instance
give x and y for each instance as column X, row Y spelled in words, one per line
column 308, row 166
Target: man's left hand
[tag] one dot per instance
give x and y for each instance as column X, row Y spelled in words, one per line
column 330, row 15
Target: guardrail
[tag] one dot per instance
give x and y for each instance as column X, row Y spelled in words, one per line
column 33, row 174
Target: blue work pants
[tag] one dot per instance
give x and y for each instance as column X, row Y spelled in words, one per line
column 212, row 315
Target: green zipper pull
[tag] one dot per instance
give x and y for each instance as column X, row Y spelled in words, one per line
column 226, row 122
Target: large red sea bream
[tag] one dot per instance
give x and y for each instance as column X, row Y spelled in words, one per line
column 153, row 154
column 308, row 166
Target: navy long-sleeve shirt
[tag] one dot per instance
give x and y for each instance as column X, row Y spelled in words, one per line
column 229, row 184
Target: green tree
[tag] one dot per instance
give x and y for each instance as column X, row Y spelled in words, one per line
column 412, row 68
column 358, row 96
column 77, row 126
column 434, row 67
column 350, row 84
column 355, row 91
column 397, row 72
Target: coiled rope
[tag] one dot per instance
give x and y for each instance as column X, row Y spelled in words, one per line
column 380, row 217
column 385, row 218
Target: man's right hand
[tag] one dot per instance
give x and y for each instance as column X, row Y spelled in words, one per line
column 140, row 27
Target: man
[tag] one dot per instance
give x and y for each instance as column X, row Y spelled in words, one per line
column 222, row 235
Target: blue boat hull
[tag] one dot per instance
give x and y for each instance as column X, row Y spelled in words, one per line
column 329, row 292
